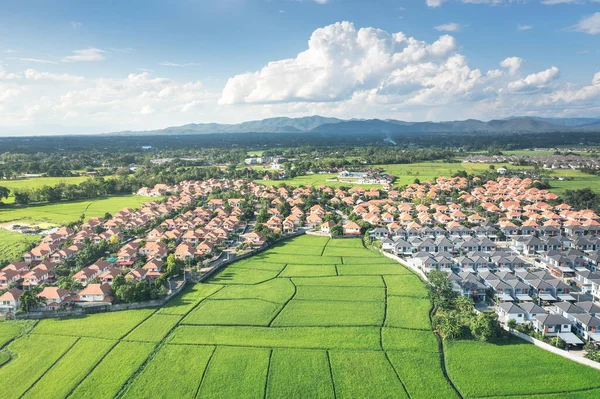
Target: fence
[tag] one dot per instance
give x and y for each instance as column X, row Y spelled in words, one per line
column 99, row 309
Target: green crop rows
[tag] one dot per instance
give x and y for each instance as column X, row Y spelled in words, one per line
column 332, row 321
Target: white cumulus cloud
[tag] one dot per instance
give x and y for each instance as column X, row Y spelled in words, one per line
column 513, row 64
column 589, row 24
column 535, row 81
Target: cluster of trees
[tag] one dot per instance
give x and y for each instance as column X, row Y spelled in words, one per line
column 455, row 316
column 583, row 198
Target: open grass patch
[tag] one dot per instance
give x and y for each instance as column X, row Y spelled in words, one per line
column 406, row 285
column 35, row 354
column 421, row 374
column 330, row 313
column 241, row 312
column 308, row 271
column 514, row 368
column 298, row 374
column 112, row 372
column 341, row 281
column 174, row 372
column 191, row 295
column 112, row 325
column 408, row 340
column 244, row 276
column 278, row 290
column 154, row 329
column 70, row 369
column 236, row 373
column 13, row 245
column 321, row 293
column 408, row 312
column 285, row 337
column 364, row 375
column 371, row 270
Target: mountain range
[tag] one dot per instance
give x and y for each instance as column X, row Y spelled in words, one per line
column 320, row 124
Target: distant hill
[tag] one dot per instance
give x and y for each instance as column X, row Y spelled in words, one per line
column 320, row 124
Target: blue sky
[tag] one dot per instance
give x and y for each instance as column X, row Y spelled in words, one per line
column 88, row 66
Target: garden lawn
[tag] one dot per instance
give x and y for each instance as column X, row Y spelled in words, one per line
column 236, row 373
column 153, row 329
column 114, row 370
column 514, row 368
column 283, row 337
column 241, row 312
column 70, row 369
column 35, row 354
column 298, row 374
column 330, row 313
column 174, row 372
column 112, row 325
column 364, row 375
column 408, row 312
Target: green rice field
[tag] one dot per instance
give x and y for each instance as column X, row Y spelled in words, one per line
column 36, row 182
column 266, row 328
column 13, row 245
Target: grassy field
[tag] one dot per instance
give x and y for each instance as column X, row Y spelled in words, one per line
column 260, row 333
column 36, row 182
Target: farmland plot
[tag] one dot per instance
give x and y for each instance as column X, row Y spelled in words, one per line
column 281, row 325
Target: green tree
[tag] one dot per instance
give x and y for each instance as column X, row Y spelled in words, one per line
column 174, row 266
column 440, row 288
column 29, row 300
column 485, row 327
column 4, row 192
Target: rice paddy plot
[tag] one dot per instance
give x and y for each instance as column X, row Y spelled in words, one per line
column 112, row 325
column 236, row 373
column 547, row 374
column 107, row 378
column 256, row 264
column 188, row 298
column 281, row 337
column 364, row 375
column 405, row 285
column 13, row 245
column 345, row 243
column 297, row 250
column 153, row 329
column 278, row 290
column 346, row 252
column 308, row 271
column 421, row 374
column 244, row 276
column 321, row 293
column 298, row 374
column 295, row 259
column 341, row 281
column 8, row 331
column 34, row 355
column 70, row 369
column 330, row 313
column 241, row 312
column 368, row 260
column 408, row 312
column 175, row 371
column 408, row 340
column 371, row 270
